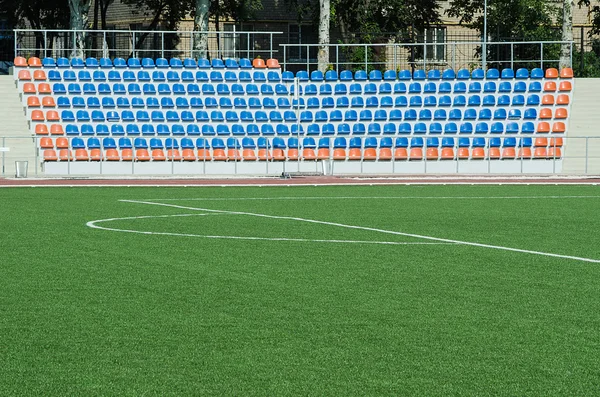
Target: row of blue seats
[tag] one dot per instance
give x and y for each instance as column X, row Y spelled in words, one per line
column 325, row 103
column 312, row 103
column 332, row 75
column 289, row 116
column 309, row 143
column 276, row 77
column 282, row 89
column 311, row 129
column 135, row 63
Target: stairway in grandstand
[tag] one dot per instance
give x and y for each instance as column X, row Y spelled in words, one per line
column 223, row 117
column 585, row 119
column 14, row 124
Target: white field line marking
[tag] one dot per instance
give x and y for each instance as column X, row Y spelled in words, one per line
column 444, row 240
column 94, row 225
column 371, row 198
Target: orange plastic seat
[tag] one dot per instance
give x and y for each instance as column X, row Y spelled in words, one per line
column 416, row 153
column 548, row 99
column 558, row 127
column 339, row 154
column 41, row 129
column 561, row 113
column 385, row 153
column 477, row 153
column 566, row 73
column 556, row 142
column 52, row 115
column 81, row 155
column 508, row 153
column 543, row 127
column 565, row 86
column 20, row 62
column 48, row 102
column 112, row 155
column 400, row 153
column 540, row 153
column 37, row 115
column 33, row 102
column 525, row 153
column 273, row 63
column 354, row 154
column 34, row 62
column 204, row 155
column 39, row 75
column 56, row 129
column 249, row 155
column 463, row 153
column 292, row 154
column 29, row 88
column 219, row 155
column 173, row 155
column 278, row 155
column 447, row 153
column 127, row 155
column 494, row 153
column 158, row 155
column 233, row 155
column 551, row 73
column 188, row 155
column 265, row 155
column 44, row 88
column 309, row 154
column 554, row 153
column 323, row 154
column 370, row 154
column 549, row 86
column 24, row 75
column 65, row 155
column 46, row 143
column 50, row 155
column 62, row 143
column 545, row 113
column 96, row 155
column 259, row 63
column 432, row 153
column 540, row 142
column 562, row 99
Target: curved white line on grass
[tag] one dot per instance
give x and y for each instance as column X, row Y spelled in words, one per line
column 94, row 225
column 372, row 198
column 444, row 240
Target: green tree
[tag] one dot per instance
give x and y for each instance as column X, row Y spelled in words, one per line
column 512, row 20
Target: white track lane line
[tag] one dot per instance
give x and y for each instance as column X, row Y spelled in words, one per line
column 444, row 240
column 94, row 225
column 374, row 198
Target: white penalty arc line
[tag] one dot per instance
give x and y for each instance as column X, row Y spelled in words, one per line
column 94, row 225
column 443, row 240
column 372, row 198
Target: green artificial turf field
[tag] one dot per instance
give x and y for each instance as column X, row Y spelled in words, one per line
column 362, row 290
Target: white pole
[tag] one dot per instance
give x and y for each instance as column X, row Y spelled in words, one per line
column 484, row 46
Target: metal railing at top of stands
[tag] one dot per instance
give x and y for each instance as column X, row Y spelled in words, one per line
column 585, row 163
column 425, row 55
column 140, row 43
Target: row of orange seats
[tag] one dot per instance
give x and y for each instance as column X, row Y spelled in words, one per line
column 369, row 154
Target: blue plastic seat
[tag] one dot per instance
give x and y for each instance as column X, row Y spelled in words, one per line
column 343, row 129
column 500, row 114
column 321, row 116
column 475, row 87
column 78, row 143
column 359, row 129
column 470, row 114
column 389, row 129
column 350, row 115
column 429, row 88
column 335, row 115
column 460, row 87
column 533, row 100
column 416, row 101
column 523, row 73
column 518, row 100
column 435, row 128
column 401, row 142
column 512, row 128
column 535, row 86
column 366, row 115
column 414, row 88
column 331, row 75
column 143, row 76
column 72, row 130
column 134, row 63
column 460, row 100
column 357, row 102
column 346, row 75
column 478, row 142
column 537, row 73
column 272, row 76
column 507, row 74
column 395, row 115
column 463, row 74
column 380, row 115
column 445, row 100
column 445, row 87
column 302, row 75
column 509, row 142
column 63, row 62
column 425, row 114
column 455, row 114
column 447, row 142
column 530, row 114
column 82, row 116
column 419, row 74
column 430, row 101
column 514, row 114
column 124, row 143
column 417, row 142
column 356, row 89
column 400, row 88
column 497, row 128
column 410, row 114
column 466, row 128
column 464, row 142
column 420, row 128
column 477, row 74
column 450, row 128
column 432, row 142
column 505, row 86
column 370, row 88
column 147, row 130
column 386, row 101
column 313, row 129
column 492, row 74
column 448, row 74
column 482, row 128
column 98, row 116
